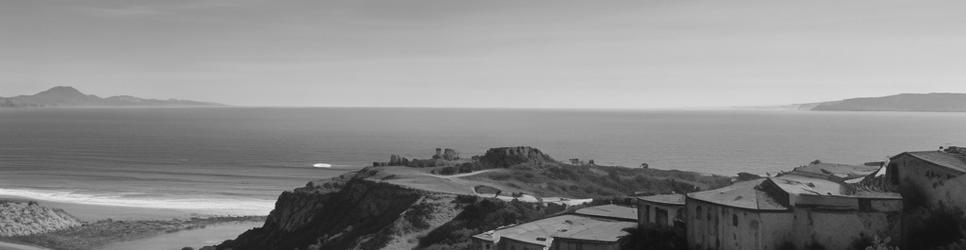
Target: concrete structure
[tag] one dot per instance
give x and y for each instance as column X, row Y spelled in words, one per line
column 934, row 184
column 564, row 232
column 664, row 210
column 615, row 212
column 803, row 209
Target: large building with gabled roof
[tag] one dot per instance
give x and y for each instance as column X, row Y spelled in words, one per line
column 802, row 209
column 934, row 185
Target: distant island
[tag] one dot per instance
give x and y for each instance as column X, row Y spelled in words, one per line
column 931, row 102
column 64, row 96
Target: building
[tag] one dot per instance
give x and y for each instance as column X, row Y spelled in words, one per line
column 565, row 232
column 803, row 209
column 934, row 186
column 663, row 210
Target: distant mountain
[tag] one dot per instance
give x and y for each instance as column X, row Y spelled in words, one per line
column 931, row 102
column 63, row 96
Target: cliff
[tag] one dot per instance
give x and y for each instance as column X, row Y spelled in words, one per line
column 25, row 218
column 399, row 207
column 509, row 156
column 931, row 102
column 352, row 212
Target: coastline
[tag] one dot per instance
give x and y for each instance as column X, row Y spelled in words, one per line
column 123, row 227
column 91, row 213
column 130, row 234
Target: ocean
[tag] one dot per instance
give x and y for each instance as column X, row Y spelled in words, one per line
column 235, row 161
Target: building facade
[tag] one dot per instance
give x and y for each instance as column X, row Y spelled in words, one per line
column 790, row 211
column 934, row 186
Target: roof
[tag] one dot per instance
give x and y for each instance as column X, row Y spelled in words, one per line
column 797, row 184
column 608, row 232
column 610, row 211
column 744, row 194
column 792, row 183
column 564, row 226
column 668, row 199
column 953, row 161
column 840, row 171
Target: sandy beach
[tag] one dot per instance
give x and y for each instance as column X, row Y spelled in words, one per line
column 196, row 238
column 153, row 228
column 91, row 213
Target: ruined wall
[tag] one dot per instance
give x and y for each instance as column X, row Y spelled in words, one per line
column 712, row 226
column 647, row 214
column 511, row 244
column 934, row 202
column 825, row 229
column 926, row 184
column 776, row 230
column 570, row 244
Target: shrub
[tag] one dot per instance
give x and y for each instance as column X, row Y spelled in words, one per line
column 447, row 171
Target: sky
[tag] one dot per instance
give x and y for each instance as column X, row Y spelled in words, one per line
column 639, row 54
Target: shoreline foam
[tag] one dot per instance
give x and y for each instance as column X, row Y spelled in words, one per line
column 173, row 206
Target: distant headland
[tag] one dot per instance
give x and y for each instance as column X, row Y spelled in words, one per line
column 930, row 102
column 64, row 96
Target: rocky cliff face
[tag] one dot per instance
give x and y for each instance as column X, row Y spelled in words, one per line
column 509, row 156
column 352, row 212
column 26, row 218
column 348, row 213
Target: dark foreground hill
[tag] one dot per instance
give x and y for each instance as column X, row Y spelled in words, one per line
column 931, row 102
column 63, row 96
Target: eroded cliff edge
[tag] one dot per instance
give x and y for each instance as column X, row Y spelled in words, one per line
column 352, row 212
column 440, row 206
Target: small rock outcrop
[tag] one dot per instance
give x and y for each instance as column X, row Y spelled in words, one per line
column 510, row 156
column 448, row 154
column 19, row 218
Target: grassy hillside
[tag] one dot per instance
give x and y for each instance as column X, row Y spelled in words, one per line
column 592, row 181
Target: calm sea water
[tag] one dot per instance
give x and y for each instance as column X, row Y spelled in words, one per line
column 237, row 160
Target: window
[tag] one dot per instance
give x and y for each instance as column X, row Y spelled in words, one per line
column 697, row 213
column 865, row 205
column 734, row 220
column 660, row 217
column 893, row 172
column 647, row 213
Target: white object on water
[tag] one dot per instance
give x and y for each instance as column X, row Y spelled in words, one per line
column 322, row 165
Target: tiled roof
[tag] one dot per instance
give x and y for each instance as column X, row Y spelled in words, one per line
column 610, row 211
column 949, row 160
column 670, row 199
column 541, row 232
column 743, row 194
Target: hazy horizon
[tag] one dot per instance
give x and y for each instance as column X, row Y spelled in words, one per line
column 493, row 54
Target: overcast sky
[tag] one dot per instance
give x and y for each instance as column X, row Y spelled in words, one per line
column 485, row 53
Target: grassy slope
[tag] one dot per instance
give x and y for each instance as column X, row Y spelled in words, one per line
column 591, row 181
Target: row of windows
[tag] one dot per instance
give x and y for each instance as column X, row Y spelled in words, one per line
column 734, row 217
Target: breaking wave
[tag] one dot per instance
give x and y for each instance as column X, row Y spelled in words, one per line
column 214, row 205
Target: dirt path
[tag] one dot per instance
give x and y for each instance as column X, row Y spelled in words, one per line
column 463, row 174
